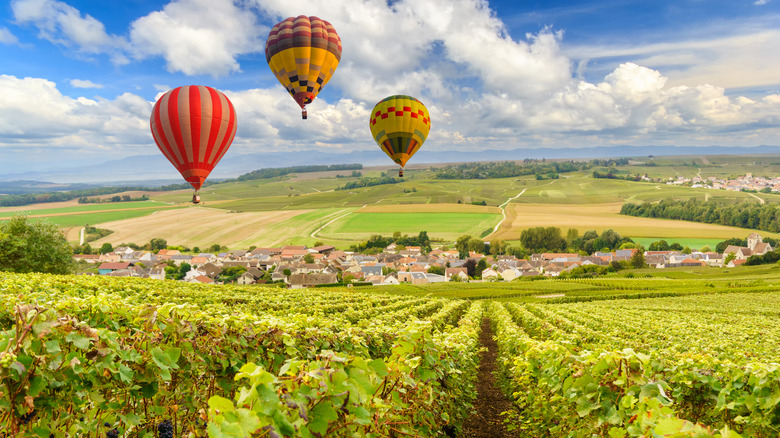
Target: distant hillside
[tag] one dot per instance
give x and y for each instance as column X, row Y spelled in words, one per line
column 156, row 167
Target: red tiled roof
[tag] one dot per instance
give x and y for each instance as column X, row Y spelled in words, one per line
column 113, row 266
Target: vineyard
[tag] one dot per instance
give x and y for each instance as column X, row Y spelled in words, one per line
column 98, row 357
column 109, row 357
column 629, row 367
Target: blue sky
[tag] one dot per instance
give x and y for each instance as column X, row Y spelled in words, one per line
column 79, row 78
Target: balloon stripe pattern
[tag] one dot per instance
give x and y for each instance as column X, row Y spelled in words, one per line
column 303, row 53
column 400, row 124
column 193, row 126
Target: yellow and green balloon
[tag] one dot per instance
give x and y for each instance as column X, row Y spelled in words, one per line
column 400, row 124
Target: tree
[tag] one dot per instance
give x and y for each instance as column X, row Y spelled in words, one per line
column 638, row 259
column 308, row 258
column 729, row 257
column 436, row 270
column 540, row 238
column 157, row 244
column 476, row 245
column 106, row 248
column 318, row 243
column 215, row 248
column 33, row 247
column 231, row 273
column 462, row 245
column 481, row 266
column 471, row 267
column 287, row 272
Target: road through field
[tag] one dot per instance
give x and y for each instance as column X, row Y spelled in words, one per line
column 503, row 210
column 314, row 233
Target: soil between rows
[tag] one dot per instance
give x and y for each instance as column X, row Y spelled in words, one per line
column 487, row 422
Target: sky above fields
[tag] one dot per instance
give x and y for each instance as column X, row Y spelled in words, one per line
column 78, row 78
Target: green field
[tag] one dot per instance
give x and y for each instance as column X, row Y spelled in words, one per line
column 87, row 208
column 438, row 225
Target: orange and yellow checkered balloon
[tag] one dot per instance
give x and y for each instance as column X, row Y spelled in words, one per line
column 400, row 125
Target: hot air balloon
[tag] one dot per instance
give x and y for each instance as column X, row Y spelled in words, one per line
column 193, row 126
column 303, row 52
column 400, row 125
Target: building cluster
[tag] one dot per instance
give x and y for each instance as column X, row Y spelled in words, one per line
column 747, row 182
column 299, row 266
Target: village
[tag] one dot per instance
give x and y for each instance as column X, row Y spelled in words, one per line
column 300, row 266
column 743, row 183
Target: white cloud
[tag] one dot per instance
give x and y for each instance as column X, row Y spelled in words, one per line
column 63, row 24
column 81, row 83
column 6, row 37
column 197, row 36
column 747, row 58
column 760, row 2
column 33, row 112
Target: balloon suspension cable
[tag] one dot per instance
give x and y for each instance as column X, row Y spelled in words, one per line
column 401, row 172
column 196, row 197
column 303, row 114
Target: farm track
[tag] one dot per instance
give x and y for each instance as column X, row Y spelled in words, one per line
column 486, row 421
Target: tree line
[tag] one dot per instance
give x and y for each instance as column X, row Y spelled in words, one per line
column 543, row 169
column 281, row 171
column 369, row 182
column 742, row 214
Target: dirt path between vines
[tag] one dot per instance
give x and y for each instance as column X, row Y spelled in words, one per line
column 486, row 422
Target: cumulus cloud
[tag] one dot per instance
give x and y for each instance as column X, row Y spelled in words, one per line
column 81, row 83
column 34, row 112
column 63, row 24
column 745, row 58
column 197, row 36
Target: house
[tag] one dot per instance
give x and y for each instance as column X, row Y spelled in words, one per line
column 510, row 273
column 371, row 270
column 178, row 259
column 736, row 262
column 324, row 249
column 307, row 280
column 461, row 273
column 89, row 258
column 106, row 268
column 490, row 274
column 210, row 270
column 202, row 279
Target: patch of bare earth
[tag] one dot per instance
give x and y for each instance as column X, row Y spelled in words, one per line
column 487, row 422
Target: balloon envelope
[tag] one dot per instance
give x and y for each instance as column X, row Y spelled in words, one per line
column 303, row 52
column 193, row 126
column 400, row 124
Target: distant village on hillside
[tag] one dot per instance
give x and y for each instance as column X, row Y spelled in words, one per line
column 742, row 183
column 300, row 266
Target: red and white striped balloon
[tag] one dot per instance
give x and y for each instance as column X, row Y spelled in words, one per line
column 193, row 126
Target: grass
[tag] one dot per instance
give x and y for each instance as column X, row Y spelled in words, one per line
column 86, row 208
column 439, row 225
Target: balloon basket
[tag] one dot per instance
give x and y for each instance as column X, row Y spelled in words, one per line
column 304, row 115
column 401, row 172
column 195, row 198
